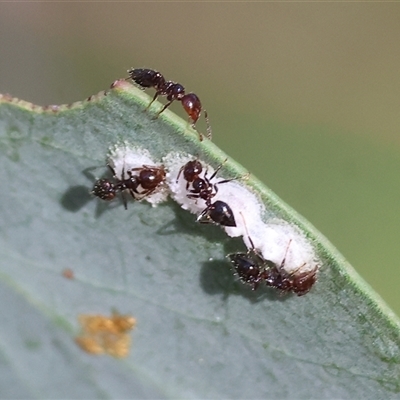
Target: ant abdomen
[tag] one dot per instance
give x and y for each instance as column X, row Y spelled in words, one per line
column 146, row 78
column 104, row 189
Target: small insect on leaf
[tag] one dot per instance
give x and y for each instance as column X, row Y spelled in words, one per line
column 149, row 78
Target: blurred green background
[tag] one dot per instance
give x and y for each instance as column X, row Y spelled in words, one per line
column 305, row 95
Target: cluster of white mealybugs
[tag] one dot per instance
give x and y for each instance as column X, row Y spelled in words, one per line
column 278, row 253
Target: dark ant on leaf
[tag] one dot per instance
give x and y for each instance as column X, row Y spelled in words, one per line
column 149, row 78
column 148, row 180
column 253, row 269
column 202, row 188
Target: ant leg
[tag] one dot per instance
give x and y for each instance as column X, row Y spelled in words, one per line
column 216, row 171
column 141, row 196
column 298, row 269
column 112, row 170
column 122, row 179
column 247, row 232
column 164, row 108
column 124, row 200
column 209, row 130
column 179, row 174
column 194, row 127
column 152, row 101
column 151, row 167
column 88, row 174
column 245, row 177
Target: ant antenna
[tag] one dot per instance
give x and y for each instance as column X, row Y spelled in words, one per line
column 216, row 172
column 152, row 101
column 193, row 125
column 247, row 232
column 209, row 130
column 244, row 177
column 286, row 252
column 123, row 178
column 297, row 269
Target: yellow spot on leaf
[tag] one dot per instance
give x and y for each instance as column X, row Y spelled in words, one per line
column 106, row 335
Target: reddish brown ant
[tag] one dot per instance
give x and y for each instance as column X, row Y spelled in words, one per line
column 202, row 188
column 149, row 78
column 149, row 179
column 299, row 283
column 253, row 269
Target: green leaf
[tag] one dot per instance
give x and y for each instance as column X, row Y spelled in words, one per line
column 200, row 333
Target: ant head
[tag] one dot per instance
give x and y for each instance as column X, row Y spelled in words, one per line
column 286, row 253
column 176, row 92
column 247, row 233
column 192, row 169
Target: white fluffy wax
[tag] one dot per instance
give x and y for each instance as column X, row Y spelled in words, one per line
column 275, row 240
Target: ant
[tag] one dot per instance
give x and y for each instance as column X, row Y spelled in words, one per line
column 297, row 282
column 149, row 78
column 218, row 212
column 149, row 179
column 253, row 269
column 202, row 188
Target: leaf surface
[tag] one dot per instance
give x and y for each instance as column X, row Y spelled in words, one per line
column 199, row 333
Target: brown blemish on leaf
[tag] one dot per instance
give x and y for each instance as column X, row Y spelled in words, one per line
column 68, row 273
column 106, row 335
